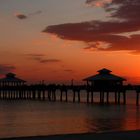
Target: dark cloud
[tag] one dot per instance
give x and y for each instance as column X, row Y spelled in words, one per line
column 127, row 9
column 21, row 16
column 35, row 55
column 92, row 31
column 41, row 58
column 49, row 61
column 35, row 13
column 6, row 69
column 106, row 35
column 122, row 9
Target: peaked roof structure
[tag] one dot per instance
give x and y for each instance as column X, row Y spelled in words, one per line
column 104, row 74
column 11, row 77
column 104, row 71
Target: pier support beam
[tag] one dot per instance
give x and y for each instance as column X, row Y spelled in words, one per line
column 119, row 97
column 66, row 99
column 137, row 98
column 124, row 97
column 91, row 96
column 88, row 97
column 102, row 97
column 107, row 97
column 61, row 95
column 115, row 97
column 79, row 99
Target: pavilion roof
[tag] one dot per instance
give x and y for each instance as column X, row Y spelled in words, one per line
column 104, row 74
column 11, row 77
column 104, row 70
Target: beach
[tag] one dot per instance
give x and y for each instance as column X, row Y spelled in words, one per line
column 127, row 135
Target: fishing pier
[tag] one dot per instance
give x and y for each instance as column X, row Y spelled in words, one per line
column 104, row 84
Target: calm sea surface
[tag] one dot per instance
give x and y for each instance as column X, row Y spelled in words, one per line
column 32, row 118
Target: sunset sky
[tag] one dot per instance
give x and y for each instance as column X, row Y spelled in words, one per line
column 60, row 40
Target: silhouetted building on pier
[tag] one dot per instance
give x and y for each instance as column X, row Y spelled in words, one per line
column 10, row 79
column 104, row 79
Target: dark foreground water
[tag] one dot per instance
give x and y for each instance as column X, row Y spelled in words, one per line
column 31, row 118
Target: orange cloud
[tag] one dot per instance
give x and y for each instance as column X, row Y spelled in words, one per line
column 98, row 45
column 98, row 3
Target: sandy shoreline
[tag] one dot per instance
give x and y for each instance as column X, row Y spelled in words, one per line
column 126, row 135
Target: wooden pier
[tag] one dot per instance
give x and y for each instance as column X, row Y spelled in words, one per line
column 60, row 93
column 104, row 84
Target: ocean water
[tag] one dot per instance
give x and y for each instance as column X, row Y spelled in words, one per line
column 33, row 118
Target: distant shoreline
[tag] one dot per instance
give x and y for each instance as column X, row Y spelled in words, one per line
column 122, row 135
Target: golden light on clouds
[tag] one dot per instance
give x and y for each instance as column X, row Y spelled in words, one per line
column 98, row 3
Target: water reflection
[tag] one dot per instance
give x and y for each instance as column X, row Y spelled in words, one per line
column 31, row 118
column 114, row 118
